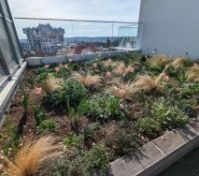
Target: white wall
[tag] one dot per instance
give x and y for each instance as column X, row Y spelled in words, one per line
column 171, row 26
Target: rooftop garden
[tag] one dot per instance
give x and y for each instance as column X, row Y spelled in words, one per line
column 75, row 118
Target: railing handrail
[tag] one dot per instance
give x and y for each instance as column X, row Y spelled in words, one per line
column 75, row 20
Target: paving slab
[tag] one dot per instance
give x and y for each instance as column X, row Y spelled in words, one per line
column 194, row 123
column 169, row 142
column 187, row 133
column 126, row 166
column 150, row 154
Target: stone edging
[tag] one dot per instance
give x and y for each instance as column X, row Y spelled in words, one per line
column 159, row 154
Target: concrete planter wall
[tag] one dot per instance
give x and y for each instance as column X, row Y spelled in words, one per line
column 159, row 154
column 39, row 61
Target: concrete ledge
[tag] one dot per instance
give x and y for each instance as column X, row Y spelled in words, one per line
column 157, row 155
column 9, row 90
column 39, row 61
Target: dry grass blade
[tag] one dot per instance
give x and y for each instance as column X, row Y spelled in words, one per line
column 109, row 63
column 160, row 60
column 145, row 83
column 179, row 62
column 52, row 84
column 88, row 80
column 29, row 157
column 120, row 90
column 121, row 69
column 127, row 91
column 193, row 73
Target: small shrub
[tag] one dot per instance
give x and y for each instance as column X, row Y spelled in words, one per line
column 189, row 90
column 157, row 64
column 96, row 159
column 70, row 95
column 179, row 74
column 11, row 144
column 89, row 131
column 89, row 81
column 74, row 67
column 192, row 73
column 47, row 126
column 123, row 140
column 101, row 107
column 55, row 167
column 42, row 74
column 149, row 127
column 73, row 141
column 40, row 115
column 168, row 115
column 132, row 57
column 131, row 76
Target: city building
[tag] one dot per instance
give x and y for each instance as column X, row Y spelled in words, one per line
column 44, row 38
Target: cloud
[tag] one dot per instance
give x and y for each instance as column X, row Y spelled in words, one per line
column 113, row 10
column 79, row 9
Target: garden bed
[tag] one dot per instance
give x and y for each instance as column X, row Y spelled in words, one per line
column 101, row 110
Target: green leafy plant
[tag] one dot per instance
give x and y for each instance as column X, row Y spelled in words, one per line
column 10, row 146
column 149, row 127
column 56, row 167
column 123, row 140
column 179, row 74
column 189, row 90
column 48, row 125
column 101, row 107
column 96, row 159
column 89, row 131
column 42, row 74
column 40, row 115
column 168, row 115
column 25, row 100
column 68, row 96
column 73, row 141
column 23, row 120
column 132, row 57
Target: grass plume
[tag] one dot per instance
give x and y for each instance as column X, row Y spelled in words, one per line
column 120, row 90
column 193, row 73
column 29, row 157
column 52, row 84
column 121, row 69
column 158, row 61
column 109, row 63
column 179, row 62
column 88, row 80
column 126, row 91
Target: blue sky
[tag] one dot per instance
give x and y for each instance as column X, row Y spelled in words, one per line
column 118, row 10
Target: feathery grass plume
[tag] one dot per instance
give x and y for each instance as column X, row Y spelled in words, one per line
column 51, row 84
column 162, row 76
column 30, row 156
column 158, row 61
column 193, row 73
column 88, row 80
column 144, row 82
column 120, row 90
column 179, row 62
column 109, row 63
column 121, row 69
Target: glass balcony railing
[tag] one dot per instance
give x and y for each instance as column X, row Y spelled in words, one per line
column 48, row 37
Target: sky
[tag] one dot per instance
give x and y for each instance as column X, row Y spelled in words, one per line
column 113, row 10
